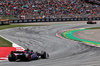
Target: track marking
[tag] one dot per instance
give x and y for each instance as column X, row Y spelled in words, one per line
column 65, row 31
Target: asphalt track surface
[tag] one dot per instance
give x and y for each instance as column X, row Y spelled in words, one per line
column 62, row 52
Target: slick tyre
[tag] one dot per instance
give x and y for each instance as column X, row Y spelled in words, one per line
column 11, row 57
column 47, row 55
column 43, row 54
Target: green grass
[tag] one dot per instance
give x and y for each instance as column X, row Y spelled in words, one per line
column 8, row 17
column 94, row 28
column 6, row 43
column 15, row 25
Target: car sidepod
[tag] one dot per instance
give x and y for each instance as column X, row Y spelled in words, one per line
column 34, row 57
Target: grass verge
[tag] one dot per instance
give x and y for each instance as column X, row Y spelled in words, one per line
column 94, row 28
column 15, row 25
column 6, row 43
column 8, row 17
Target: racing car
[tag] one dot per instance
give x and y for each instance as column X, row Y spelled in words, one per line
column 27, row 55
column 91, row 22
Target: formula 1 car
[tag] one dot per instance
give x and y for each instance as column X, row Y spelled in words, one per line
column 91, row 22
column 27, row 55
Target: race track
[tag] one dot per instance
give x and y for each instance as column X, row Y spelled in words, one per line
column 62, row 52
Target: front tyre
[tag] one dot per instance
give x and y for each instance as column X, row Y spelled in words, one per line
column 44, row 55
column 47, row 55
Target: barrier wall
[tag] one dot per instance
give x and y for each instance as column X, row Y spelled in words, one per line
column 4, row 22
column 52, row 20
column 7, row 22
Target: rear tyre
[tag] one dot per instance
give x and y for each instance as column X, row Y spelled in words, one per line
column 11, row 57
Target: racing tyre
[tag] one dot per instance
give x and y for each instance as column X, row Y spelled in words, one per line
column 87, row 23
column 11, row 57
column 47, row 56
column 28, row 57
column 43, row 54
